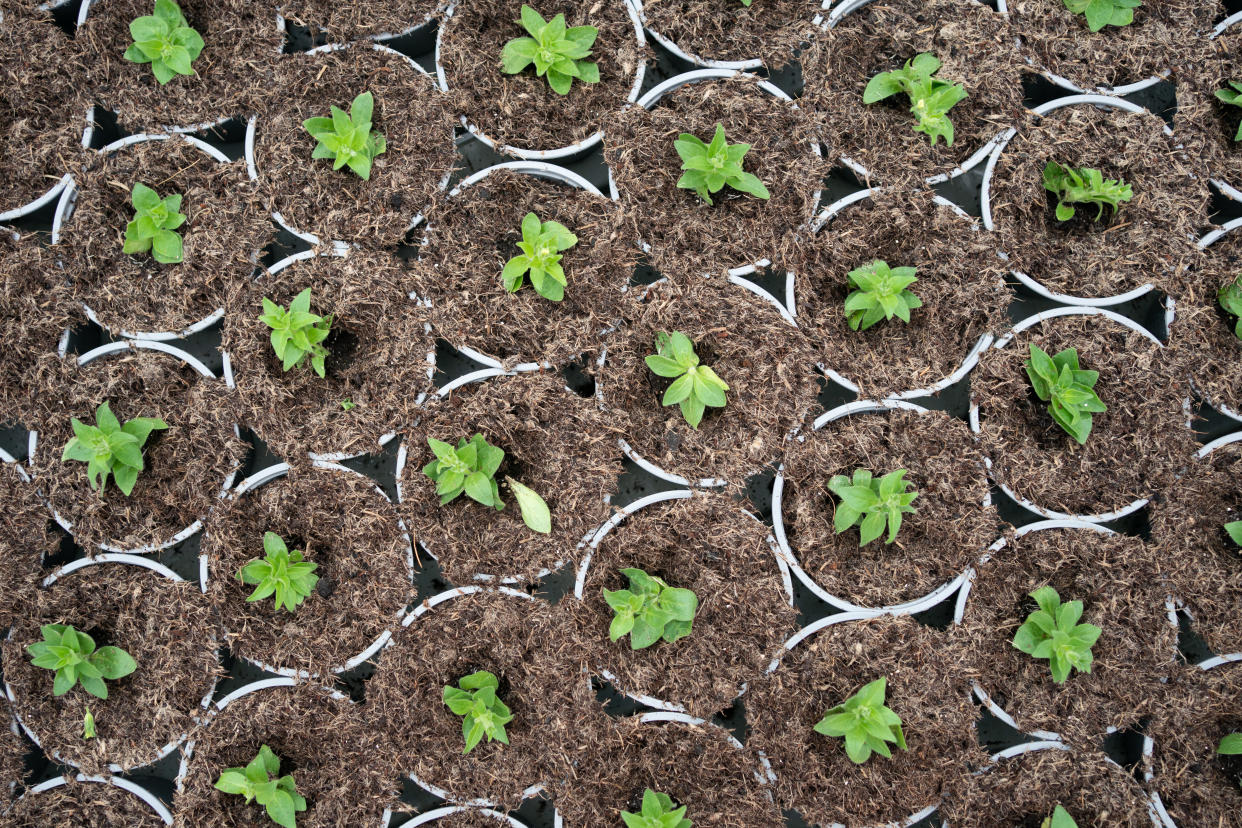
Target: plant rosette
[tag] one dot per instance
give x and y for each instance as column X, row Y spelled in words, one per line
column 376, row 19
column 960, row 285
column 975, row 48
column 743, row 614
column 730, row 35
column 1118, row 580
column 306, row 194
column 161, row 621
column 953, row 522
column 363, row 559
column 1133, row 448
column 89, row 801
column 1145, row 242
column 239, row 38
column 470, row 240
column 521, row 114
column 555, row 442
column 378, row 346
column 185, row 467
column 823, row 666
column 221, row 238
column 687, row 237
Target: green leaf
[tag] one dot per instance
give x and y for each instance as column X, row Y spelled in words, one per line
column 534, row 510
column 113, row 662
column 1234, row 530
column 1230, row 745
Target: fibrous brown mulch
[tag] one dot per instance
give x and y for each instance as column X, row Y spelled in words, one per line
column 83, row 805
column 770, row 31
column 341, row 22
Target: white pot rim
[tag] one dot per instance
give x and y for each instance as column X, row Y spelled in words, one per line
column 124, row 784
column 449, row 810
column 29, row 207
column 689, row 57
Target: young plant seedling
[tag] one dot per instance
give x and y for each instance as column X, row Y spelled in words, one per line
column 1234, row 531
column 471, row 468
column 541, row 245
column 658, row 810
column 483, row 714
column 1230, row 298
column 709, row 167
column 1053, row 632
column 154, row 224
column 297, row 333
column 348, row 405
column 88, row 725
column 280, row 571
column 930, row 98
column 1069, row 391
column 695, row 386
column 865, row 722
column 347, row 138
column 1230, row 745
column 259, row 782
column 73, row 656
column 1084, row 185
column 1233, row 97
column 164, row 40
column 1101, row 13
column 1060, row 818
column 558, row 51
column 880, row 292
column 650, row 610
column 111, row 448
column 871, row 503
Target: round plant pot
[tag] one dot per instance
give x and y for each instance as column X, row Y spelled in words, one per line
column 1202, row 121
column 64, row 801
column 520, row 115
column 706, row 34
column 457, row 816
column 374, row 19
column 340, row 521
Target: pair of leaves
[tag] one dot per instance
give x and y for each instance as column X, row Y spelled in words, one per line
column 471, row 468
column 73, row 656
column 297, row 333
column 153, row 225
column 111, row 448
column 880, row 292
column 1084, row 185
column 258, row 782
column 166, row 41
column 650, row 610
column 541, row 245
column 347, row 138
column 930, row 98
column 558, row 51
column 1232, row 96
column 1230, row 298
column 709, row 167
column 657, row 809
column 1069, row 391
column 871, row 503
column 695, row 387
column 865, row 723
column 286, row 574
column 1053, row 632
column 1101, row 13
column 483, row 713
column 1060, row 818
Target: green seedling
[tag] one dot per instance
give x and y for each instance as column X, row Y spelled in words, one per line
column 73, row 656
column 558, row 51
column 709, row 167
column 880, row 292
column 695, row 386
column 1101, row 13
column 1053, row 632
column 1230, row 298
column 347, row 138
column 88, row 725
column 657, row 810
column 541, row 245
column 297, row 333
column 1234, row 531
column 650, row 610
column 483, row 714
column 865, row 723
column 1069, row 391
column 871, row 503
column 1060, row 819
column 471, row 468
column 1232, row 96
column 259, row 782
column 154, row 224
column 111, row 448
column 1230, row 745
column 348, row 405
column 930, row 98
column 280, row 571
column 1084, row 185
column 166, row 41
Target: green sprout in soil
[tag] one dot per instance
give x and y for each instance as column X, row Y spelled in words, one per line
column 1053, row 632
column 1230, row 298
column 471, row 468
column 154, row 224
column 348, row 405
column 558, row 51
column 347, row 138
column 657, row 810
column 1234, row 531
column 1084, row 185
column 297, row 333
column 709, row 167
column 111, row 448
column 880, row 292
column 871, row 503
column 88, row 725
column 1060, row 819
column 284, row 573
column 1230, row 745
column 865, row 722
column 930, row 98
column 73, row 656
column 1233, row 97
column 1069, row 391
column 695, row 386
column 541, row 245
column 1101, row 13
column 482, row 713
column 164, row 40
column 650, row 610
column 258, row 781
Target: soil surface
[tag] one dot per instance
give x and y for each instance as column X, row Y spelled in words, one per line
column 83, row 805
column 340, row 22
column 770, row 29
column 25, row 537
column 12, row 759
